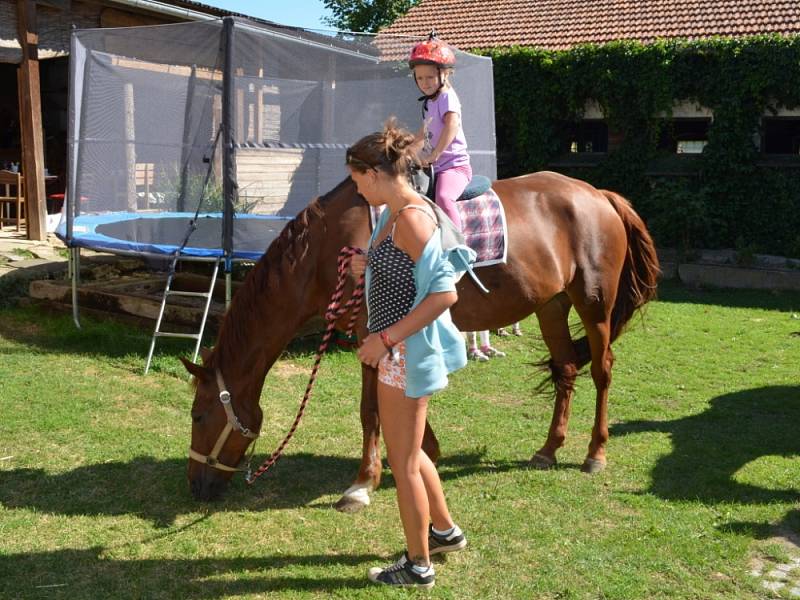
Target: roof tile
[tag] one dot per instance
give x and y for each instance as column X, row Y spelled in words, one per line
column 559, row 24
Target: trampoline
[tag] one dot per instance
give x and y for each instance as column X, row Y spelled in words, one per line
column 160, row 234
column 234, row 125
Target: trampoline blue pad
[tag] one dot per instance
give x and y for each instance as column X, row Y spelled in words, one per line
column 162, row 233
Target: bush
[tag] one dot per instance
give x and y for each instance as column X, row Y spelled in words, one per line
column 730, row 197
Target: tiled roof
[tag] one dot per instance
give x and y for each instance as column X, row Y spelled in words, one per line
column 560, row 24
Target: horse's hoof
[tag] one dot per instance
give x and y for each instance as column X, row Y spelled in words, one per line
column 354, row 498
column 348, row 504
column 542, row 462
column 593, row 465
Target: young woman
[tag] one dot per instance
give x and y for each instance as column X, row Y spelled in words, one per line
column 410, row 285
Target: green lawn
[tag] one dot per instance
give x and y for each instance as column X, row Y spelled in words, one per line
column 704, row 468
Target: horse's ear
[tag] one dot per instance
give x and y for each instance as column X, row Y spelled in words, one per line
column 205, row 354
column 199, row 371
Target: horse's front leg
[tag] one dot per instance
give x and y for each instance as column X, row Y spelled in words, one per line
column 356, row 496
column 430, row 445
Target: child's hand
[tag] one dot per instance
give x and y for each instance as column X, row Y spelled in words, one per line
column 427, row 160
column 372, row 350
column 358, row 264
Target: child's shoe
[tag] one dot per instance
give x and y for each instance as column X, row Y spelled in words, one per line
column 477, row 355
column 491, row 352
column 503, row 332
column 403, row 573
column 517, row 329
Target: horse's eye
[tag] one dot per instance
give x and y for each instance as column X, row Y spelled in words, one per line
column 197, row 418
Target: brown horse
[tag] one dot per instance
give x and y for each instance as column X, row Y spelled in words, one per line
column 570, row 245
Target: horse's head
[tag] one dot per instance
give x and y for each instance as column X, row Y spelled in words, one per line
column 291, row 283
column 223, row 426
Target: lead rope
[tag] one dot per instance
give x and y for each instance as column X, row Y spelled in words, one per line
column 333, row 313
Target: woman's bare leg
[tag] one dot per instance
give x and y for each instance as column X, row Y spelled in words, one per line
column 440, row 514
column 403, row 424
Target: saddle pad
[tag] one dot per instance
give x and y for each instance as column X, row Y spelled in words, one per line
column 484, row 222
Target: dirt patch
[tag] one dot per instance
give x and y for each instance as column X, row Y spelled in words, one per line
column 508, row 400
column 285, row 370
column 20, row 330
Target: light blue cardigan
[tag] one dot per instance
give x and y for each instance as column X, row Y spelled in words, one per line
column 437, row 349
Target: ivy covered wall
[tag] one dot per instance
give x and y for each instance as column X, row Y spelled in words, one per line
column 730, row 199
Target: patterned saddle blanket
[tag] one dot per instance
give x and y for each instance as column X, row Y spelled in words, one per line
column 485, row 230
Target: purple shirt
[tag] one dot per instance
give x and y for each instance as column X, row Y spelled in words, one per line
column 455, row 155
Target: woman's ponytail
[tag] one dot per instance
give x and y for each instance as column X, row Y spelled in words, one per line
column 391, row 150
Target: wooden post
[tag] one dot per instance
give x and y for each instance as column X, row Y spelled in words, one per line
column 217, row 123
column 240, row 116
column 259, row 108
column 130, row 149
column 30, row 119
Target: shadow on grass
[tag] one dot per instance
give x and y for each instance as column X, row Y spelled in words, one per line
column 787, row 528
column 709, row 448
column 781, row 300
column 88, row 574
column 157, row 490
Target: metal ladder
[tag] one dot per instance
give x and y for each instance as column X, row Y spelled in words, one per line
column 169, row 292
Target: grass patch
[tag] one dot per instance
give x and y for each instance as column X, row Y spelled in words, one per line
column 703, row 465
column 22, row 252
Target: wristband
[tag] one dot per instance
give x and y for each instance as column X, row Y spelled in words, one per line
column 387, row 341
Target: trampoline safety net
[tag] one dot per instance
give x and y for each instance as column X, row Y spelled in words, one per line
column 238, row 121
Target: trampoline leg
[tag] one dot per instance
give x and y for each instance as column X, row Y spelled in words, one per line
column 74, row 272
column 227, row 290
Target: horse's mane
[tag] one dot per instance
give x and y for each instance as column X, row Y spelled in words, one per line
column 284, row 252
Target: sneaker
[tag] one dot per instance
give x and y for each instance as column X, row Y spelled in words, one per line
column 439, row 544
column 491, row 352
column 517, row 330
column 503, row 332
column 402, row 574
column 475, row 354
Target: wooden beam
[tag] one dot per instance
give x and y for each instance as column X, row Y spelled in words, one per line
column 59, row 4
column 30, row 119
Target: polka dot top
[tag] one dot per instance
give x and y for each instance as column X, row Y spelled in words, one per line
column 392, row 288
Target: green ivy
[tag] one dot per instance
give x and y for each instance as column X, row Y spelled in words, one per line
column 730, row 200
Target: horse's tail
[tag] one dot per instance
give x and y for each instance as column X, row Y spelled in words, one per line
column 637, row 286
column 639, row 277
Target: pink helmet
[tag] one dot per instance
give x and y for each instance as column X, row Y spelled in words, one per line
column 432, row 52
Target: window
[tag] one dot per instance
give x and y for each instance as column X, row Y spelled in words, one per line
column 780, row 135
column 684, row 136
column 588, row 136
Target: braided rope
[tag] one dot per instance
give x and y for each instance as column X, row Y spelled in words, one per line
column 333, row 313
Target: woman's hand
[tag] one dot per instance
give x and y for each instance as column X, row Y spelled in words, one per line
column 372, row 350
column 358, row 264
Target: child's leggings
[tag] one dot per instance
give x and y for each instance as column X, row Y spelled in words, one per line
column 450, row 184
